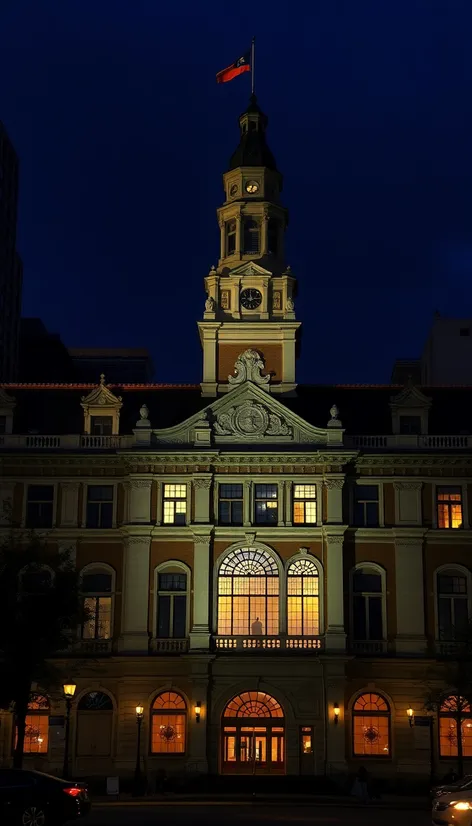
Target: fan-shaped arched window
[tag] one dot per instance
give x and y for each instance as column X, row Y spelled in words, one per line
column 95, row 701
column 94, row 725
column 253, row 704
column 371, row 726
column 168, row 723
column 97, row 591
column 253, row 734
column 37, row 725
column 248, row 593
column 251, row 236
column 303, row 607
column 455, row 719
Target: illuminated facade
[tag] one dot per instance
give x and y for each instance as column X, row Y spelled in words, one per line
column 270, row 569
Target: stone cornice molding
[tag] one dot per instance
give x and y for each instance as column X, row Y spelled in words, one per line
column 394, row 460
column 408, row 485
column 335, row 483
column 334, row 538
column 137, row 484
column 71, row 485
column 409, row 540
column 137, row 541
column 202, row 482
column 200, row 539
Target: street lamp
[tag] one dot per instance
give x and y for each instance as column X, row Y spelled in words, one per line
column 69, row 690
column 336, row 712
column 138, row 782
column 411, row 715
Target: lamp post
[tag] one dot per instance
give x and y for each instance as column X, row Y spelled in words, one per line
column 336, row 712
column 69, row 690
column 411, row 715
column 138, row 780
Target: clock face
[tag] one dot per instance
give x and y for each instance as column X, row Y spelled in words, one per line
column 252, row 187
column 250, row 298
column 233, row 189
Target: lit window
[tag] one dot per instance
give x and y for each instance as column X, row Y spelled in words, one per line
column 266, row 505
column 366, row 506
column 101, row 425
column 306, row 739
column 455, row 719
column 39, row 506
column 251, row 236
column 449, row 507
column 37, row 726
column 304, row 504
column 99, row 506
column 230, row 505
column 453, row 605
column 168, row 724
column 230, row 237
column 175, row 504
column 303, row 607
column 248, row 594
column 172, row 605
column 97, row 595
column 371, row 726
column 367, row 604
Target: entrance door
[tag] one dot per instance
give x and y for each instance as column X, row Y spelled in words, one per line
column 253, row 746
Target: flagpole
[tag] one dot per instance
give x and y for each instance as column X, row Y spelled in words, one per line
column 253, row 65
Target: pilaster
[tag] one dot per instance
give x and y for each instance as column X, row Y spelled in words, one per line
column 335, row 637
column 247, row 503
column 7, row 490
column 200, row 633
column 409, row 590
column 334, row 486
column 201, row 488
column 139, row 510
column 335, row 726
column 134, row 632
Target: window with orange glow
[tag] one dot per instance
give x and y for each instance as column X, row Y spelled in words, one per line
column 304, row 504
column 371, row 726
column 253, row 704
column 168, row 724
column 37, row 726
column 455, row 715
column 248, row 594
column 449, row 507
column 303, row 607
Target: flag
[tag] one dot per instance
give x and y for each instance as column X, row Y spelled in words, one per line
column 242, row 64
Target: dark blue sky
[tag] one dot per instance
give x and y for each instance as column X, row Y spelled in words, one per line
column 123, row 136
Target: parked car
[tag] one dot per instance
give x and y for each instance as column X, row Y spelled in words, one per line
column 453, row 809
column 31, row 798
column 444, row 788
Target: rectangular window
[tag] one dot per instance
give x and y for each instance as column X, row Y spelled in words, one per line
column 3, row 425
column 97, row 625
column 448, row 736
column 306, row 739
column 449, row 507
column 366, row 506
column 266, row 505
column 99, row 506
column 175, row 504
column 172, row 606
column 230, row 505
column 101, row 425
column 39, row 506
column 304, row 504
column 36, row 734
column 410, row 425
column 453, row 606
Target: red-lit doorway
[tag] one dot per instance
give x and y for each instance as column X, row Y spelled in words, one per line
column 253, row 735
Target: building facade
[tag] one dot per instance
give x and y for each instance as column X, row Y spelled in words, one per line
column 271, row 570
column 11, row 269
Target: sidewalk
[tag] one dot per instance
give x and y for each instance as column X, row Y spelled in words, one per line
column 388, row 801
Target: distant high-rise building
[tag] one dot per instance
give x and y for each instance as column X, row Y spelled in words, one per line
column 11, row 274
column 446, row 356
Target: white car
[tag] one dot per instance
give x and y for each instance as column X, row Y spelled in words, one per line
column 453, row 809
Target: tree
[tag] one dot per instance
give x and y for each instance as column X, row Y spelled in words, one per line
column 40, row 610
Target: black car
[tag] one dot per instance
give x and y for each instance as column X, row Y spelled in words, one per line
column 30, row 798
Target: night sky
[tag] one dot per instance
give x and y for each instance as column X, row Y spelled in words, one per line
column 123, row 135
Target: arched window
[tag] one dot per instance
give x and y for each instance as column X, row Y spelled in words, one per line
column 455, row 718
column 94, row 725
column 37, row 725
column 253, row 734
column 371, row 726
column 36, row 580
column 230, row 237
column 452, row 603
column 97, row 591
column 248, row 593
column 368, row 595
column 168, row 724
column 172, row 602
column 303, row 606
column 95, row 701
column 251, row 236
column 253, row 704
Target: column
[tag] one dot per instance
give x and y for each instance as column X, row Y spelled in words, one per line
column 134, row 625
column 69, row 504
column 288, row 503
column 334, row 613
column 238, row 234
column 265, row 232
column 197, row 756
column 222, row 238
column 159, row 505
column 139, row 507
column 409, row 590
column 201, row 488
column 281, row 504
column 200, row 633
column 7, row 490
column 334, row 487
column 247, row 504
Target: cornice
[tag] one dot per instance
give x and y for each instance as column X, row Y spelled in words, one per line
column 405, row 460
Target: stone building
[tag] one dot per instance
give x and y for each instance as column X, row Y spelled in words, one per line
column 271, row 568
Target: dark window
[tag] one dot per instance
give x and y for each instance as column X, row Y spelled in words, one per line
column 172, row 606
column 453, row 605
column 366, row 506
column 367, row 605
column 3, row 425
column 251, row 236
column 99, row 506
column 95, row 701
column 36, row 582
column 266, row 506
column 230, row 237
column 230, row 506
column 101, row 425
column 273, row 238
column 172, row 582
column 39, row 506
column 410, row 425
column 96, row 589
column 96, row 583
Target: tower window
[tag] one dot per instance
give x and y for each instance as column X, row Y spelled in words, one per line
column 273, row 236
column 251, row 236
column 230, row 237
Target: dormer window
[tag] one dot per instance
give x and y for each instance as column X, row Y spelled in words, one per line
column 101, row 425
column 410, row 425
column 230, row 237
column 101, row 411
column 251, row 237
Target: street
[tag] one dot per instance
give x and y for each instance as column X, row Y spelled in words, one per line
column 247, row 814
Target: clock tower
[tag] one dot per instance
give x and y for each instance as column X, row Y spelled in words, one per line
column 250, row 294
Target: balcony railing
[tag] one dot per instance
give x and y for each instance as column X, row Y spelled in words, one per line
column 168, row 646
column 70, row 441
column 243, row 644
column 368, row 646
column 94, row 647
column 405, row 442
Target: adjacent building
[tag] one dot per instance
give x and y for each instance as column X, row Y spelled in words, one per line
column 272, row 569
column 11, row 271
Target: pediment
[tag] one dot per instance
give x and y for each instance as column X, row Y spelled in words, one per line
column 247, row 415
column 250, row 268
column 6, row 402
column 101, row 396
column 411, row 397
